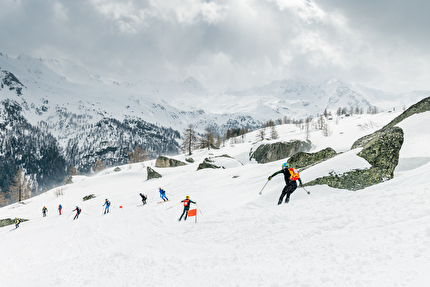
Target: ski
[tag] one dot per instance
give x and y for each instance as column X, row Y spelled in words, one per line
column 158, row 202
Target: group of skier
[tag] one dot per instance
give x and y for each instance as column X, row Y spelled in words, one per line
column 291, row 176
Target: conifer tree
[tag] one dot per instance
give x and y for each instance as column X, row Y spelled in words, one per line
column 3, row 200
column 99, row 165
column 20, row 188
column 72, row 170
column 138, row 155
column 208, row 139
column 190, row 140
column 261, row 134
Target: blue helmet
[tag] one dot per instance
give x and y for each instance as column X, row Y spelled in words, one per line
column 285, row 165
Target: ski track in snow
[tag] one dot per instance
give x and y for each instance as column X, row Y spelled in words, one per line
column 379, row 236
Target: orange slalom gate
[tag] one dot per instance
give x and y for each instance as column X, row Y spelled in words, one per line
column 192, row 212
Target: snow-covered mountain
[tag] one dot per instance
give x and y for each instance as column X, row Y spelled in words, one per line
column 378, row 236
column 91, row 117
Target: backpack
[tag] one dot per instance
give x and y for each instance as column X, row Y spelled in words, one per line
column 294, row 174
column 186, row 202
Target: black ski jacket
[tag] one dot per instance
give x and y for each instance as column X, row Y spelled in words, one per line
column 287, row 175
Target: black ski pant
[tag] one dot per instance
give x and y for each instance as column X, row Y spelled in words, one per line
column 184, row 212
column 76, row 216
column 288, row 190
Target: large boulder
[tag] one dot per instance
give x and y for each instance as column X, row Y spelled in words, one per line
column 152, row 173
column 163, row 161
column 381, row 149
column 221, row 161
column 303, row 159
column 272, row 152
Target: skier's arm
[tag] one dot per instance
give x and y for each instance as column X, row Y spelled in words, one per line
column 300, row 180
column 276, row 173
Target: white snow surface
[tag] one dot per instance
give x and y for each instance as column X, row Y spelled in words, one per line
column 379, row 236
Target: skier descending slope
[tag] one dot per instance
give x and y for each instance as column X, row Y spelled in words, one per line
column 187, row 202
column 17, row 222
column 144, row 197
column 291, row 175
column 44, row 211
column 107, row 204
column 163, row 194
column 78, row 211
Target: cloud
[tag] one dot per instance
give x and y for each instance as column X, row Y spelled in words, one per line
column 228, row 44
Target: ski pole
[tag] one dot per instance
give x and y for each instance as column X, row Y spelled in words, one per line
column 263, row 187
column 69, row 214
column 306, row 190
column 199, row 209
column 173, row 205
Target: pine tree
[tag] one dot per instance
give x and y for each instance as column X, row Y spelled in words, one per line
column 273, row 133
column 208, row 139
column 72, row 170
column 99, row 165
column 190, row 140
column 20, row 188
column 138, row 155
column 3, row 200
column 261, row 134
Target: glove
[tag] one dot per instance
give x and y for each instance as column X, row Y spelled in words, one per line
column 270, row 177
column 301, row 185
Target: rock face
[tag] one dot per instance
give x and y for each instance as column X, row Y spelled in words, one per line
column 152, row 173
column 276, row 151
column 303, row 159
column 163, row 161
column 207, row 163
column 381, row 149
column 9, row 221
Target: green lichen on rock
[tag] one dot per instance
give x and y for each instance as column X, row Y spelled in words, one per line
column 117, row 169
column 207, row 163
column 88, row 197
column 189, row 159
column 152, row 173
column 381, row 149
column 163, row 161
column 304, row 159
column 272, row 152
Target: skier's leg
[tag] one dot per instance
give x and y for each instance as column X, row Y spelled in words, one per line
column 186, row 214
column 291, row 188
column 284, row 191
column 182, row 215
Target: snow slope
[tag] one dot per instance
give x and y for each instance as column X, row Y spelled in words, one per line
column 379, row 236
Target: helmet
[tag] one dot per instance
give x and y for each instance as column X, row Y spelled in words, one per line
column 285, row 165
column 187, row 197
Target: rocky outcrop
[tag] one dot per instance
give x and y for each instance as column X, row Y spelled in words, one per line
column 152, row 173
column 207, row 163
column 381, row 149
column 303, row 159
column 9, row 221
column 272, row 152
column 163, row 161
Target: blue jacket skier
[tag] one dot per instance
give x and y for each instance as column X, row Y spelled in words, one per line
column 187, row 202
column 107, row 204
column 163, row 194
column 291, row 175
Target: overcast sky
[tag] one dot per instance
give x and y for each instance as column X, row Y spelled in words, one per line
column 229, row 44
